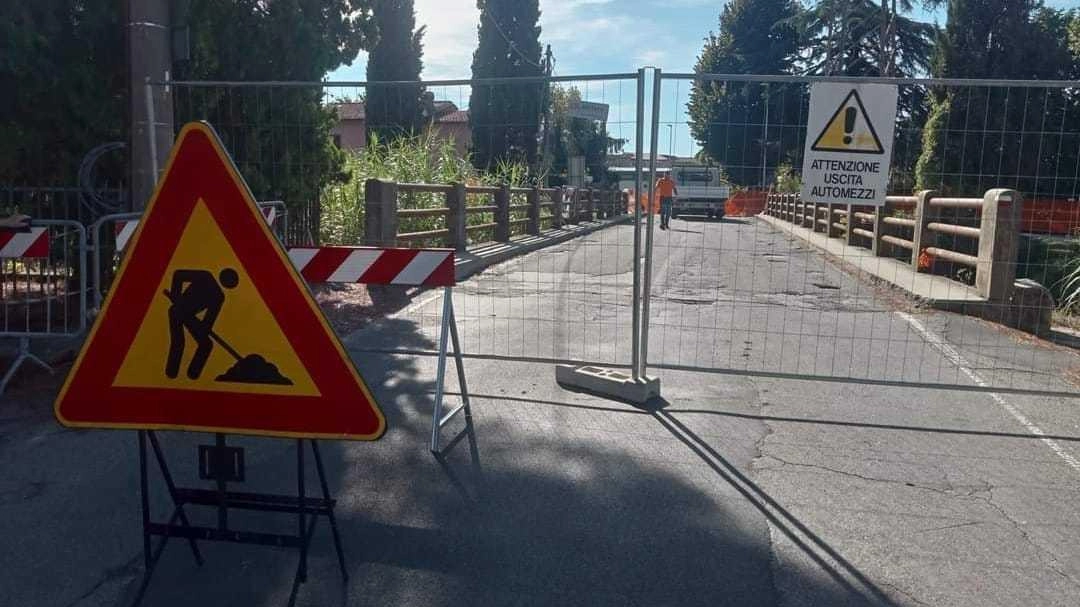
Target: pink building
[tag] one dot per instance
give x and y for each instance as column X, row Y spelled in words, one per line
column 450, row 124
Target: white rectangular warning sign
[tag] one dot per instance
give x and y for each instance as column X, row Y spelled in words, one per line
column 849, row 138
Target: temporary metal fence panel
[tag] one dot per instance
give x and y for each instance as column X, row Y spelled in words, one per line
column 321, row 147
column 754, row 293
column 66, row 203
column 42, row 287
column 110, row 234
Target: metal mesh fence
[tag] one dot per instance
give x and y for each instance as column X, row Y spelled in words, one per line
column 531, row 158
column 825, row 289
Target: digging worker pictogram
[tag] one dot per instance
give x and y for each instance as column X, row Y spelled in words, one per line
column 195, row 292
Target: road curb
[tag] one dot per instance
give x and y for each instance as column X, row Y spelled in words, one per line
column 470, row 264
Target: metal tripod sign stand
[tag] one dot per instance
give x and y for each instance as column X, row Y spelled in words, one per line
column 224, row 464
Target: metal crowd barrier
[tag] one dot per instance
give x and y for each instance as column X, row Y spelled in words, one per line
column 124, row 225
column 42, row 287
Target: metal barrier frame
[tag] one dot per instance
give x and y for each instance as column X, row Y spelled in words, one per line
column 94, row 246
column 23, row 353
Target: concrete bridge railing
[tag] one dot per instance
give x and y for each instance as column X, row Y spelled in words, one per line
column 468, row 214
column 930, row 232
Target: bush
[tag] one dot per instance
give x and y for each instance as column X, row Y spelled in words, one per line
column 422, row 159
column 787, row 180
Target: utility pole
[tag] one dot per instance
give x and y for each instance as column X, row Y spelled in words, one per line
column 150, row 113
column 548, row 64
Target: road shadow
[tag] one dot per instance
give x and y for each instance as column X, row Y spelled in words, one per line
column 523, row 515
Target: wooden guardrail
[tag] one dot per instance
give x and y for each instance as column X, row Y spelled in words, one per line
column 468, row 212
column 918, row 229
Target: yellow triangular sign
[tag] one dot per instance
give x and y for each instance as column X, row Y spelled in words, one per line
column 849, row 130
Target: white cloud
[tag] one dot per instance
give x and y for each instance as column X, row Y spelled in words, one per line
column 653, row 57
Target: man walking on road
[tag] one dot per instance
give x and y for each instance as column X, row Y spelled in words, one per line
column 666, row 190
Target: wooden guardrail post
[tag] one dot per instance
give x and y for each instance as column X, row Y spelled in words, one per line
column 455, row 217
column 879, row 247
column 830, row 217
column 502, row 213
column 924, row 214
column 849, row 236
column 380, row 213
column 998, row 243
column 572, row 214
column 533, row 226
column 559, row 206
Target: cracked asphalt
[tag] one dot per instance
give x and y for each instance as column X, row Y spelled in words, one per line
column 745, row 485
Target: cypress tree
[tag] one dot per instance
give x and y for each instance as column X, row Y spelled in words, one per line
column 505, row 119
column 395, row 110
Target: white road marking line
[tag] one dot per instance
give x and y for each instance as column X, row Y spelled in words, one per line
column 957, row 359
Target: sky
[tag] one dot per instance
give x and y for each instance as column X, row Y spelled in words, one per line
column 591, row 37
column 586, row 37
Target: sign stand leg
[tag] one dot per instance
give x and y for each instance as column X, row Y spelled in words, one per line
column 330, row 513
column 151, row 556
column 438, row 420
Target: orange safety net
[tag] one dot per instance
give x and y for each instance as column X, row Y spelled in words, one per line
column 745, row 204
column 1050, row 216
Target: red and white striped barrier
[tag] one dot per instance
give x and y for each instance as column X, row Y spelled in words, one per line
column 126, row 229
column 32, row 244
column 375, row 266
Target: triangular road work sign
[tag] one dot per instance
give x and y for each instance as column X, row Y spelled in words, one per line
column 849, row 130
column 209, row 327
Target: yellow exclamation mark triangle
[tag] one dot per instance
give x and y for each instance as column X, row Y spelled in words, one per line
column 849, row 130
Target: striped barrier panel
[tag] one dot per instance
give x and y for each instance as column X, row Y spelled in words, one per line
column 31, row 244
column 375, row 266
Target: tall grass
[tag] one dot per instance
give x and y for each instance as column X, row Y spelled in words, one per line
column 421, row 159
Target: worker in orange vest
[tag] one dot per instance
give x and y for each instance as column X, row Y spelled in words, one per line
column 666, row 190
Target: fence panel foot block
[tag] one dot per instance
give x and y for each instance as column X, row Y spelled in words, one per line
column 608, row 383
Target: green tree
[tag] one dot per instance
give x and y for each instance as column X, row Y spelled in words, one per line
column 279, row 136
column 728, row 118
column 861, row 38
column 572, row 136
column 505, row 119
column 979, row 137
column 64, row 88
column 64, row 77
column 393, row 111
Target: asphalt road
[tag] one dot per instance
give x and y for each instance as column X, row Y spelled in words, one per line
column 736, row 489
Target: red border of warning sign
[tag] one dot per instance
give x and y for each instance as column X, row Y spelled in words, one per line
column 199, row 168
